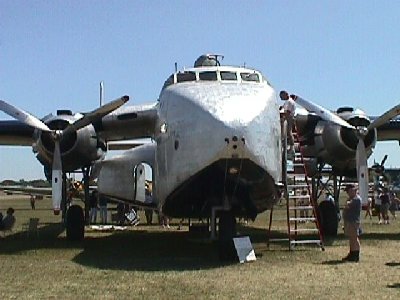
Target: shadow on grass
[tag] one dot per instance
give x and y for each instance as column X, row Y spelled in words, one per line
column 149, row 251
column 128, row 250
column 45, row 237
column 394, row 286
column 394, row 236
column 393, row 264
column 334, row 262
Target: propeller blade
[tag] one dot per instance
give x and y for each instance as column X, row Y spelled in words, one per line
column 322, row 112
column 22, row 116
column 56, row 183
column 391, row 113
column 384, row 160
column 95, row 114
column 362, row 170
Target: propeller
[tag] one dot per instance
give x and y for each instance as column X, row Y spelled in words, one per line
column 379, row 168
column 57, row 136
column 360, row 131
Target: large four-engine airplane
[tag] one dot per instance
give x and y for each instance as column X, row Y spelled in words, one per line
column 217, row 145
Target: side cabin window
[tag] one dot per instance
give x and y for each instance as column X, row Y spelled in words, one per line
column 225, row 75
column 208, row 76
column 250, row 77
column 186, row 76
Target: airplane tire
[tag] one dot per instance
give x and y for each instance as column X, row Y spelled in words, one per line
column 328, row 219
column 226, row 233
column 75, row 223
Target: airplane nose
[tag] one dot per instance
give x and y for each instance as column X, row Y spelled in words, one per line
column 235, row 146
column 238, row 109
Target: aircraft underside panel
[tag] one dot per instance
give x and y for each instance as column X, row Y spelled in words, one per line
column 249, row 192
column 122, row 177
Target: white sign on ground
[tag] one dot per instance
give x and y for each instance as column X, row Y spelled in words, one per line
column 244, row 249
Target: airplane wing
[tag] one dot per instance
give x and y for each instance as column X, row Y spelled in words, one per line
column 23, row 190
column 389, row 131
column 125, row 123
column 125, row 144
column 16, row 133
column 130, row 122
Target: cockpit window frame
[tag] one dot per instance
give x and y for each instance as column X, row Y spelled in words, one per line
column 223, row 78
column 191, row 76
column 246, row 77
column 205, row 76
column 237, row 76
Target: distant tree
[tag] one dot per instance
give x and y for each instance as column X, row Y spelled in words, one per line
column 39, row 183
column 22, row 182
column 8, row 182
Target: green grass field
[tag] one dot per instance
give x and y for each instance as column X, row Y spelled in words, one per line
column 156, row 263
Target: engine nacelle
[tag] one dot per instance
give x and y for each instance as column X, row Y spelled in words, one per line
column 78, row 148
column 334, row 144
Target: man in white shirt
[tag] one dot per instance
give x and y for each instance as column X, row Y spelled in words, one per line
column 289, row 110
column 377, row 205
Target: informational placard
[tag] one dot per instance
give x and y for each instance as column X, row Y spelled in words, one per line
column 244, row 249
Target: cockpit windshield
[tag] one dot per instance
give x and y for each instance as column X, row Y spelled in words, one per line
column 214, row 75
column 227, row 75
column 250, row 77
column 186, row 76
column 210, row 76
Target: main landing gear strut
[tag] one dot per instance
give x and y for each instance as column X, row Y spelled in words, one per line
column 76, row 217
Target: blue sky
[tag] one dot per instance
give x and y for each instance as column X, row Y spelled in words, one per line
column 53, row 54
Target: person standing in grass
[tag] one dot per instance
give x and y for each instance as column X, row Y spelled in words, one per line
column 103, row 209
column 394, row 204
column 351, row 217
column 385, row 203
column 32, row 201
column 9, row 220
column 93, row 201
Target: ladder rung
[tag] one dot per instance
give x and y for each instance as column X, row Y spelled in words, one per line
column 302, row 219
column 298, row 165
column 306, row 242
column 297, row 186
column 301, row 208
column 304, row 230
column 278, row 240
column 299, row 196
column 296, row 174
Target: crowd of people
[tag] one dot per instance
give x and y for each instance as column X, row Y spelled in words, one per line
column 7, row 222
column 383, row 203
column 125, row 215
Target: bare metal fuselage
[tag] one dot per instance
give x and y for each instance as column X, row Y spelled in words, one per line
column 217, row 143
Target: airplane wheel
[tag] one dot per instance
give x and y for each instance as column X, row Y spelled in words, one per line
column 328, row 219
column 75, row 223
column 226, row 233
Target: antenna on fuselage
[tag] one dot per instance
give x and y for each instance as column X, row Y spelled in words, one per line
column 176, row 67
column 101, row 93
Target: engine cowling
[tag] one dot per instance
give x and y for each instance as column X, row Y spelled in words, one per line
column 78, row 148
column 334, row 144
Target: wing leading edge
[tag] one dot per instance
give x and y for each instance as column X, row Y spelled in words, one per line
column 16, row 133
